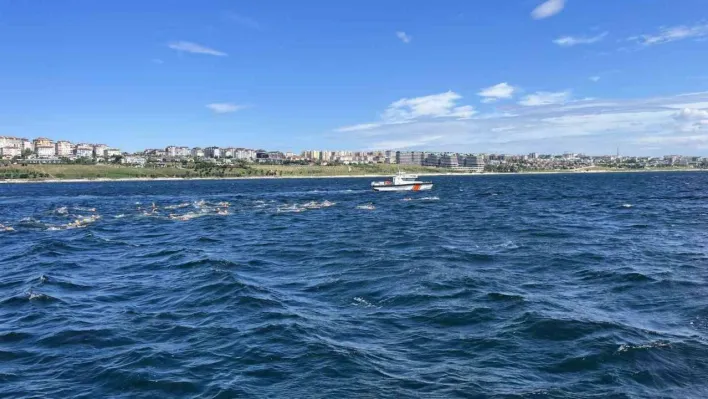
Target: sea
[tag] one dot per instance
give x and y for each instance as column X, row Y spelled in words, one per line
column 506, row 286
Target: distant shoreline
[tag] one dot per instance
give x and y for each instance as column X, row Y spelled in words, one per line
column 150, row 179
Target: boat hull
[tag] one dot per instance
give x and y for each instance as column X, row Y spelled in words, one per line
column 404, row 187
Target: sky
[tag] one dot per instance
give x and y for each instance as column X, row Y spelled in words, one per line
column 513, row 76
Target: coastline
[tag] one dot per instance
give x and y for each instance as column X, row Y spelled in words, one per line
column 156, row 179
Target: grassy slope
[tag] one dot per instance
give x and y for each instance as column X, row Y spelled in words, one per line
column 116, row 172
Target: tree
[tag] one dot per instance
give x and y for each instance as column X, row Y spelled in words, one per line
column 26, row 153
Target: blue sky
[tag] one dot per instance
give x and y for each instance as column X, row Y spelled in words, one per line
column 481, row 76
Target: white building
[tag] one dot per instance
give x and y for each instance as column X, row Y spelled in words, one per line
column 8, row 141
column 245, row 154
column 99, row 150
column 171, row 151
column 41, row 142
column 63, row 148
column 133, row 160
column 112, row 152
column 228, row 152
column 10, row 152
column 212, row 152
column 84, row 151
column 26, row 145
column 45, row 151
column 197, row 152
column 183, row 151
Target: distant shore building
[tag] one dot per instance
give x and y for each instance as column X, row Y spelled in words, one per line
column 45, row 151
column 63, row 148
column 41, row 142
column 449, row 161
column 171, row 151
column 212, row 152
column 197, row 152
column 112, row 152
column 133, row 160
column 431, row 159
column 84, row 151
column 99, row 150
column 410, row 157
column 10, row 152
column 474, row 163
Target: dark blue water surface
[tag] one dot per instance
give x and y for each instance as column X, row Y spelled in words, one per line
column 591, row 285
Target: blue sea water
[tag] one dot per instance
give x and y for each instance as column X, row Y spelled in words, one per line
column 544, row 286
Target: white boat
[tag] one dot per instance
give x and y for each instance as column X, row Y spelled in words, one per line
column 402, row 182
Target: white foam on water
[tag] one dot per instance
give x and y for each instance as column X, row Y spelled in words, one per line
column 627, row 206
column 363, row 302
column 657, row 344
column 368, row 207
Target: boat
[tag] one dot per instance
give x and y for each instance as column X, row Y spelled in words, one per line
column 402, row 182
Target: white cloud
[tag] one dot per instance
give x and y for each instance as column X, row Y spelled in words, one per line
column 545, row 98
column 405, row 38
column 570, row 41
column 410, row 110
column 225, row 108
column 356, row 128
column 690, row 114
column 195, row 48
column 651, row 126
column 691, row 119
column 549, row 8
column 594, row 78
column 497, row 92
column 243, row 20
column 157, row 61
column 672, row 34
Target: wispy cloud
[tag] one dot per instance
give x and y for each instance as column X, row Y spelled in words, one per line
column 653, row 125
column 225, row 108
column 195, row 48
column 497, row 92
column 549, row 8
column 545, row 98
column 594, row 78
column 405, row 38
column 157, row 61
column 410, row 110
column 672, row 34
column 569, row 41
column 243, row 20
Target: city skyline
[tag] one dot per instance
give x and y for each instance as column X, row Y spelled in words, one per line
column 481, row 77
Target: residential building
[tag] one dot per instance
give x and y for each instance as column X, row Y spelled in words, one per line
column 99, row 150
column 112, row 152
column 133, row 160
column 8, row 141
column 183, row 151
column 245, row 154
column 197, row 152
column 84, row 151
column 63, row 148
column 26, row 145
column 212, row 152
column 171, row 151
column 474, row 163
column 42, row 142
column 431, row 159
column 409, row 157
column 389, row 156
column 45, row 151
column 449, row 161
column 228, row 152
column 10, row 152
